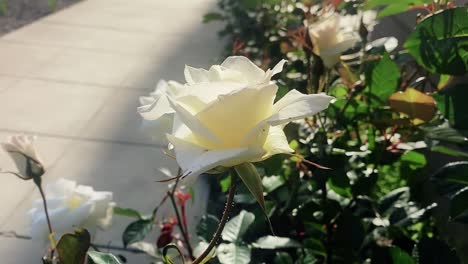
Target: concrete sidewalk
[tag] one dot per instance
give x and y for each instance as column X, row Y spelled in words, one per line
column 73, row 79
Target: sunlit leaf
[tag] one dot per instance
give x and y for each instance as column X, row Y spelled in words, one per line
column 283, row 258
column 274, row 242
column 459, row 206
column 271, row 183
column 417, row 105
column 249, row 175
column 383, row 78
column 232, row 253
column 393, row 7
column 136, row 231
column 103, row 258
column 439, row 42
column 237, row 226
column 127, row 212
column 72, row 248
column 446, row 134
column 414, row 159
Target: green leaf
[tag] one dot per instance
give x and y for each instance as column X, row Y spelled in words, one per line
column 212, row 16
column 237, row 226
column 273, row 165
column 446, row 134
column 414, row 160
column 225, row 183
column 450, row 151
column 283, row 258
column 393, row 199
column 271, row 183
column 249, row 175
column 401, row 257
column 167, row 256
column 383, row 78
column 439, row 42
column 232, row 253
column 459, row 206
column 207, row 227
column 444, row 101
column 103, row 258
column 250, row 4
column 456, row 172
column 393, row 7
column 72, row 248
column 339, row 183
column 136, row 231
column 127, row 212
column 274, row 242
column 316, row 246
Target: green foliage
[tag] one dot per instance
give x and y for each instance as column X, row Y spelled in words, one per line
column 237, row 226
column 383, row 78
column 72, row 248
column 459, row 206
column 102, row 258
column 394, row 7
column 207, row 227
column 401, row 257
column 249, row 175
column 137, row 231
column 212, row 16
column 128, row 212
column 390, row 138
column 283, row 258
column 232, row 253
column 275, row 242
column 439, row 42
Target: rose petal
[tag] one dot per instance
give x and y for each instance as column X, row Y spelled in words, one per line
column 276, row 142
column 193, row 123
column 185, row 151
column 232, row 116
column 157, row 129
column 295, row 105
column 195, row 75
column 241, row 64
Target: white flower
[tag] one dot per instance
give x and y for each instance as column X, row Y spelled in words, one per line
column 70, row 206
column 333, row 34
column 225, row 116
column 23, row 152
column 156, row 111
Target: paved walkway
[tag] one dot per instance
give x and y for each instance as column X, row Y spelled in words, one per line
column 73, row 79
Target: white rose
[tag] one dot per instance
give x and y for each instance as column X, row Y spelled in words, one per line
column 330, row 39
column 156, row 111
column 23, row 152
column 70, row 206
column 226, row 116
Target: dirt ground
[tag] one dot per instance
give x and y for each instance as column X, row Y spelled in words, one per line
column 17, row 13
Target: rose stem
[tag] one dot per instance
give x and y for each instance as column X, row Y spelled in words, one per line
column 227, row 210
column 37, row 180
column 179, row 221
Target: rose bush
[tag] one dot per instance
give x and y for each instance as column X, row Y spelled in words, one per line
column 227, row 116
